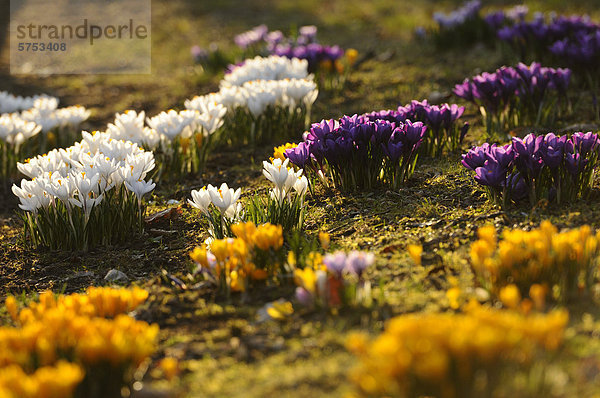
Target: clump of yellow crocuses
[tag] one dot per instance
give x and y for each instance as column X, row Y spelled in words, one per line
column 236, row 264
column 445, row 355
column 564, row 263
column 81, row 342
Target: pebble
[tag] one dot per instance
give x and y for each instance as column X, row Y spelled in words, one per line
column 116, row 276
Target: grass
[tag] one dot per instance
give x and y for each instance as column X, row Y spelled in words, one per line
column 224, row 350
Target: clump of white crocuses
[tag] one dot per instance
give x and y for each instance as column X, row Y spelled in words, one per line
column 285, row 203
column 10, row 103
column 220, row 206
column 59, row 125
column 87, row 195
column 266, row 98
column 266, row 68
column 182, row 140
column 15, row 143
column 130, row 126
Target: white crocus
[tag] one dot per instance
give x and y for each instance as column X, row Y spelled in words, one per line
column 223, row 197
column 28, row 194
column 200, row 200
column 172, row 124
column 84, row 182
column 62, row 189
column 278, row 173
column 139, row 187
column 301, row 185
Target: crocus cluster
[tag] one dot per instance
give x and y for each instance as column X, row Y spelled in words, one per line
column 460, row 27
column 443, row 130
column 303, row 45
column 358, row 153
column 564, row 263
column 582, row 54
column 334, row 280
column 10, row 103
column 265, row 98
column 541, row 33
column 466, row 13
column 555, row 168
column 22, row 118
column 59, row 125
column 86, row 195
column 85, row 341
column 285, row 203
column 239, row 264
column 15, row 134
column 500, row 18
column 57, row 381
column 265, row 68
column 517, row 96
column 180, row 140
column 211, row 58
column 220, row 207
column 446, row 354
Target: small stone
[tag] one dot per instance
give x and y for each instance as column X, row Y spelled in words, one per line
column 171, row 202
column 116, row 276
column 437, row 97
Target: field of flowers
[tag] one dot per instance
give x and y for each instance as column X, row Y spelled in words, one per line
column 342, row 198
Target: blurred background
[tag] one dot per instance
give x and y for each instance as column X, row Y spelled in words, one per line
column 394, row 67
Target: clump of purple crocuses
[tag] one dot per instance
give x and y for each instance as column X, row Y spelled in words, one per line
column 252, row 39
column 535, row 37
column 461, row 26
column 303, row 45
column 517, row 96
column 550, row 167
column 443, row 130
column 212, row 58
column 467, row 12
column 359, row 153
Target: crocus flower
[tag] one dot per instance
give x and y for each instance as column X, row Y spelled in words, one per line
column 304, row 296
column 335, row 262
column 299, row 155
column 476, row 157
column 139, row 187
column 200, row 200
column 491, row 174
column 528, row 155
column 552, row 150
column 223, row 197
column 357, row 262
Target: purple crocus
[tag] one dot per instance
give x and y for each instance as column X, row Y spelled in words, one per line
column 491, row 174
column 393, row 150
column 528, row 159
column 583, row 143
column 199, row 54
column 414, row 132
column 552, row 150
column 300, row 155
column 357, row 262
column 476, row 157
column 335, row 263
column 309, row 32
column 303, row 296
